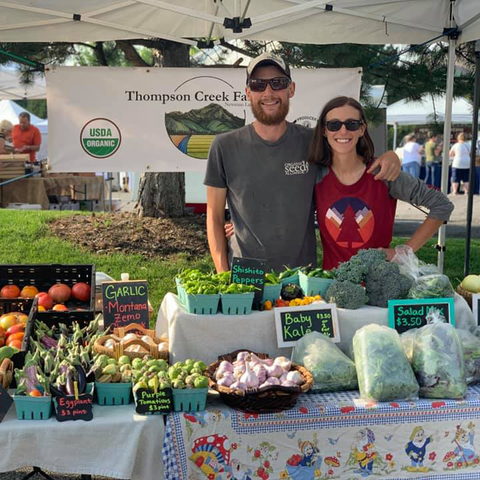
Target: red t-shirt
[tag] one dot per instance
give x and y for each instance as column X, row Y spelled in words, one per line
column 353, row 217
column 31, row 136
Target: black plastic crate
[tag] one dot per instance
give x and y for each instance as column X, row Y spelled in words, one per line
column 43, row 277
column 28, row 307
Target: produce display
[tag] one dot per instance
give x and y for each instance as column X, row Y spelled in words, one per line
column 431, row 286
column 196, row 282
column 12, row 331
column 332, row 370
column 109, row 370
column 471, row 353
column 383, row 370
column 131, row 343
column 438, row 362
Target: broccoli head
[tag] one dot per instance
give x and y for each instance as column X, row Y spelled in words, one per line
column 356, row 269
column 385, row 282
column 346, row 295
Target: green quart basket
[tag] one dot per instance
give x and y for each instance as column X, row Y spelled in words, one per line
column 33, row 408
column 293, row 279
column 237, row 303
column 312, row 286
column 189, row 399
column 202, row 304
column 113, row 393
column 271, row 292
column 180, row 290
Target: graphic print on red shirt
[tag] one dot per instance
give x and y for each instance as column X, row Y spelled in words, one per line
column 353, row 217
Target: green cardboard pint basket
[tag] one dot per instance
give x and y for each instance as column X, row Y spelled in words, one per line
column 312, row 286
column 113, row 393
column 294, row 279
column 202, row 304
column 189, row 399
column 180, row 290
column 33, row 408
column 271, row 292
column 237, row 303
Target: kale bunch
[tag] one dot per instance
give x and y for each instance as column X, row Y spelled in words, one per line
column 346, row 295
column 384, row 282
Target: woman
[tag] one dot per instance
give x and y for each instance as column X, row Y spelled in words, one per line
column 461, row 164
column 412, row 156
column 5, row 134
column 353, row 210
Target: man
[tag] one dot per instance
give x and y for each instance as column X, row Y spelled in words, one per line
column 26, row 137
column 261, row 170
column 431, row 153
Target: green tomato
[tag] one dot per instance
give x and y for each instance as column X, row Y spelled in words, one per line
column 125, row 367
column 196, row 370
column 200, row 365
column 124, row 360
column 164, row 385
column 174, row 373
column 139, row 385
column 150, row 363
column 178, row 384
column 154, row 368
column 111, row 361
column 178, row 365
column 201, row 382
column 137, row 363
column 189, row 361
column 162, row 364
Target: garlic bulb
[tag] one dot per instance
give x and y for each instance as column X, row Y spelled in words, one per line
column 268, row 362
column 238, row 386
column 249, row 378
column 283, row 377
column 226, row 381
column 275, row 371
column 239, row 370
column 110, row 344
column 162, row 346
column 261, row 372
column 288, row 383
column 128, row 337
column 149, row 340
column 273, row 381
column 284, row 362
column 243, row 356
column 225, row 367
column 296, row 377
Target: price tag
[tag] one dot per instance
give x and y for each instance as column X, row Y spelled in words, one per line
column 249, row 271
column 125, row 303
column 5, row 403
column 404, row 315
column 476, row 307
column 292, row 323
column 151, row 403
column 71, row 408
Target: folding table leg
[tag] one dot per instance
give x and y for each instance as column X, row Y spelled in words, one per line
column 39, row 471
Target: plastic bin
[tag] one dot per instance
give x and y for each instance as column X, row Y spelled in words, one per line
column 202, row 304
column 113, row 393
column 312, row 286
column 237, row 303
column 271, row 292
column 33, row 408
column 189, row 399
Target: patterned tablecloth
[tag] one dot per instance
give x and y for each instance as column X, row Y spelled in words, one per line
column 329, row 436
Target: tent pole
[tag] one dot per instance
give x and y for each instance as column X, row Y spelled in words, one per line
column 446, row 142
column 395, row 136
column 473, row 151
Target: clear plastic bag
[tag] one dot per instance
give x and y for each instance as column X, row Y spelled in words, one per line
column 438, row 362
column 332, row 370
column 383, row 370
column 408, row 340
column 471, row 353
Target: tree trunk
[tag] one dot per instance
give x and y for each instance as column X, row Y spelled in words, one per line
column 163, row 194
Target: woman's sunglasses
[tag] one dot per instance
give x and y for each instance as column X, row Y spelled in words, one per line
column 350, row 125
column 260, row 84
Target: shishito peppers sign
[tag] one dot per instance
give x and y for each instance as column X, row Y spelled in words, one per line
column 162, row 119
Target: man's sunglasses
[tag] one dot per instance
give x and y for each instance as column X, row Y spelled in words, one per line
column 350, row 125
column 260, row 84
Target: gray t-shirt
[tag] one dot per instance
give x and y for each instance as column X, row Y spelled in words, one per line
column 270, row 189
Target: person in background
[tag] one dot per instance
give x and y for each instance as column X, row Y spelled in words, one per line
column 26, row 137
column 461, row 164
column 353, row 210
column 412, row 156
column 431, row 156
column 5, row 135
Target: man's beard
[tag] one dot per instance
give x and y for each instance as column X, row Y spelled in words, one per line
column 267, row 119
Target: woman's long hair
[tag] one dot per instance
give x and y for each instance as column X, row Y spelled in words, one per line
column 320, row 151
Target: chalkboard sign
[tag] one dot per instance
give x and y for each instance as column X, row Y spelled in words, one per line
column 404, row 315
column 292, row 323
column 151, row 403
column 70, row 408
column 250, row 271
column 5, row 403
column 125, row 303
column 476, row 308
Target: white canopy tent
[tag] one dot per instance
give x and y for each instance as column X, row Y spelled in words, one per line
column 302, row 21
column 11, row 87
column 10, row 110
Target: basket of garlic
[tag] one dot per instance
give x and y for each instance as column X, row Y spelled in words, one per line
column 254, row 383
column 134, row 341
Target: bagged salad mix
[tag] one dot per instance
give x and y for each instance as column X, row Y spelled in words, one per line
column 471, row 353
column 383, row 370
column 332, row 370
column 408, row 340
column 438, row 362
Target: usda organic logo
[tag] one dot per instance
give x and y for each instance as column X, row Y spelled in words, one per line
column 100, row 138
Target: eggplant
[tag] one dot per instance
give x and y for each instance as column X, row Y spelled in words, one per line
column 291, row 291
column 82, row 379
column 70, row 379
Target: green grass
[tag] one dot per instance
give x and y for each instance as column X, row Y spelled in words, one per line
column 24, row 238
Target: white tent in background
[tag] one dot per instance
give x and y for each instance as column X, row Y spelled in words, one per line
column 10, row 110
column 11, row 87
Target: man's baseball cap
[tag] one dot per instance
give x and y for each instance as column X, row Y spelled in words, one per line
column 265, row 59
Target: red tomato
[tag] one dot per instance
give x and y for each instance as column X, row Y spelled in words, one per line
column 18, row 328
column 15, row 344
column 45, row 300
column 15, row 336
column 10, row 291
column 81, row 291
column 60, row 292
column 60, row 308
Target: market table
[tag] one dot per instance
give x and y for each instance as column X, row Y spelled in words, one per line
column 117, row 443
column 327, row 436
column 208, row 336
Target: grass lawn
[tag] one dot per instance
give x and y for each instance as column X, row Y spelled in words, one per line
column 24, row 238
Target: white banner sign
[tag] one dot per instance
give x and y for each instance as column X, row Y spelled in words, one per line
column 104, row 119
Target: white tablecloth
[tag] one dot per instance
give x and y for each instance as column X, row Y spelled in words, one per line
column 207, row 336
column 117, row 443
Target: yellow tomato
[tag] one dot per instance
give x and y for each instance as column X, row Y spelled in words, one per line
column 7, row 321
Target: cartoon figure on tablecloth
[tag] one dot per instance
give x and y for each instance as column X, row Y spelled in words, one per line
column 211, row 454
column 203, row 419
column 364, row 452
column 416, row 449
column 239, row 471
column 464, row 453
column 264, row 454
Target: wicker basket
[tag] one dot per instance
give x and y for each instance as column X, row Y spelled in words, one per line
column 465, row 294
column 272, row 399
